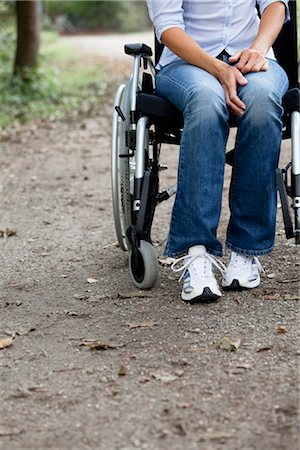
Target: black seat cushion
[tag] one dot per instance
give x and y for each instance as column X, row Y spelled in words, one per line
column 158, row 108
column 291, row 100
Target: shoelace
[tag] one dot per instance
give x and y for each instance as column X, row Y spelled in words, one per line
column 190, row 259
column 254, row 258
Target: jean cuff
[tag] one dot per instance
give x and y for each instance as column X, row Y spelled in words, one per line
column 211, row 251
column 247, row 252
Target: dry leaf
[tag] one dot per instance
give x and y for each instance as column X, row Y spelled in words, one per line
column 6, row 342
column 10, row 431
column 184, row 405
column 272, row 296
column 271, row 275
column 263, row 349
column 180, row 428
column 292, row 280
column 144, row 324
column 164, row 376
column 7, row 232
column 291, row 297
column 100, row 345
column 113, row 244
column 92, row 280
column 122, row 371
column 228, row 344
column 281, row 329
column 214, row 436
column 134, row 294
column 166, row 261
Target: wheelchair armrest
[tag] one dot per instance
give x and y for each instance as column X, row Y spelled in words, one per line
column 137, row 49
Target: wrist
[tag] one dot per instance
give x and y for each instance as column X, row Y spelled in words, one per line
column 218, row 68
column 263, row 50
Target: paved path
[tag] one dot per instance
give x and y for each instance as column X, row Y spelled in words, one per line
column 107, row 45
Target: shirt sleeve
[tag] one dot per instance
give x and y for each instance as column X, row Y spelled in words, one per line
column 264, row 3
column 165, row 14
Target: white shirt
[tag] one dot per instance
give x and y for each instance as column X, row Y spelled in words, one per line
column 216, row 25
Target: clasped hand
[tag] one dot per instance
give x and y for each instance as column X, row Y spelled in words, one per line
column 247, row 60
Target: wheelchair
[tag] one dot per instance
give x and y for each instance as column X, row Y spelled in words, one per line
column 143, row 121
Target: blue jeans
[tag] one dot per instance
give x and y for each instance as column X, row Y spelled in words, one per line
column 252, row 198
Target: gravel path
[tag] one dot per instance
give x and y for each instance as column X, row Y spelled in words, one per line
column 160, row 375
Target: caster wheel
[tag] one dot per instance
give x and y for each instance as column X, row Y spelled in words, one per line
column 143, row 266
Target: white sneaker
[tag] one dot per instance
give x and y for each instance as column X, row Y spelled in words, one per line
column 242, row 273
column 199, row 282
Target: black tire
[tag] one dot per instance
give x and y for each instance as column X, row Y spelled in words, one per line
column 143, row 266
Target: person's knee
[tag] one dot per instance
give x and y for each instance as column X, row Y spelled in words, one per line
column 261, row 99
column 204, row 99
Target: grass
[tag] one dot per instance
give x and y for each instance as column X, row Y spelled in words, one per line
column 61, row 87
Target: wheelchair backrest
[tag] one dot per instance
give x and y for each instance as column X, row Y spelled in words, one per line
column 285, row 47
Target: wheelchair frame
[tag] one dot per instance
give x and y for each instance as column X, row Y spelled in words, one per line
column 142, row 121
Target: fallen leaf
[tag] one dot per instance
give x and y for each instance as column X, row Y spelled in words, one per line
column 144, row 324
column 71, row 313
column 92, row 280
column 228, row 344
column 184, row 405
column 291, row 297
column 113, row 244
column 271, row 275
column 10, row 431
column 134, row 294
column 272, row 297
column 263, row 349
column 122, row 371
column 180, row 428
column 6, row 342
column 24, row 332
column 164, row 377
column 81, row 296
column 166, row 261
column 214, row 436
column 292, row 280
column 100, row 345
column 281, row 329
column 6, row 232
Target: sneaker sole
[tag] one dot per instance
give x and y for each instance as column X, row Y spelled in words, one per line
column 207, row 296
column 235, row 286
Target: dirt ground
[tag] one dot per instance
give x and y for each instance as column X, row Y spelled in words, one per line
column 158, row 379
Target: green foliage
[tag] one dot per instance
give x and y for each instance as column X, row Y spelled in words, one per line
column 119, row 15
column 59, row 88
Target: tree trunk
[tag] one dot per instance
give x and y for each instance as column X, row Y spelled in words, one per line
column 28, row 40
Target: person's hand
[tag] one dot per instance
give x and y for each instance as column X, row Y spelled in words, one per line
column 249, row 60
column 230, row 77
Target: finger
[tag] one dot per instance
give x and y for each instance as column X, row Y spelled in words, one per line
column 233, row 107
column 235, row 57
column 265, row 66
column 241, row 80
column 233, row 97
column 257, row 67
column 249, row 66
column 243, row 60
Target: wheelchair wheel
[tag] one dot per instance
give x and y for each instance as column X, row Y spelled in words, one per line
column 122, row 168
column 143, row 266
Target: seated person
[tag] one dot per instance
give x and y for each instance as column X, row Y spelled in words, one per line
column 218, row 60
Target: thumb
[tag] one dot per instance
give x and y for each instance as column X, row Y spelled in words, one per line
column 242, row 81
column 235, row 57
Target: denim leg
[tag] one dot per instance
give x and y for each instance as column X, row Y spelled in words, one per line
column 197, row 206
column 253, row 197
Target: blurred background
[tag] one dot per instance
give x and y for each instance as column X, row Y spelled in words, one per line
column 61, row 59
